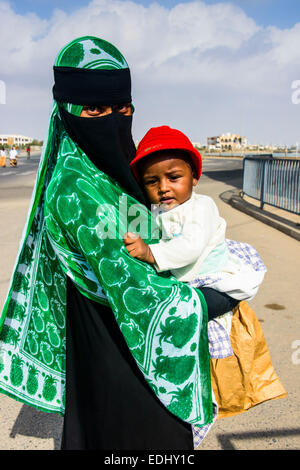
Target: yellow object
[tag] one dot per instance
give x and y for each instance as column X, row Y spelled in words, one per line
column 248, row 377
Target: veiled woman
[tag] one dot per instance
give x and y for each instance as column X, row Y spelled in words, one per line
column 88, row 331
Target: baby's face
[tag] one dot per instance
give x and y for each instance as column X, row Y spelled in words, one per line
column 167, row 178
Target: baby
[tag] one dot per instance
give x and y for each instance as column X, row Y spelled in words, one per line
column 193, row 244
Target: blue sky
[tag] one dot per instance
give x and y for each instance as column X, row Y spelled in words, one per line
column 203, row 67
column 281, row 13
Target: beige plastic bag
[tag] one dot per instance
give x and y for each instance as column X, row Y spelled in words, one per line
column 248, row 377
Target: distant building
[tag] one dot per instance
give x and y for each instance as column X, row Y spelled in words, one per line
column 227, row 142
column 213, row 143
column 13, row 139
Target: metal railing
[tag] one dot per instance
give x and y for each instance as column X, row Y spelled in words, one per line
column 274, row 181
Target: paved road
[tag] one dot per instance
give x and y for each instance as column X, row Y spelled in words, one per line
column 272, row 425
column 24, row 167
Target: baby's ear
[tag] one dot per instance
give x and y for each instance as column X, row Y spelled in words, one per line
column 194, row 174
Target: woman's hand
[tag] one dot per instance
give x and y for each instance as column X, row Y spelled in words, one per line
column 137, row 248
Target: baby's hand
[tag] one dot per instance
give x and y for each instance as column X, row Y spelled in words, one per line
column 137, row 248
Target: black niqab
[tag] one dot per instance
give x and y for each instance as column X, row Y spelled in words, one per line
column 107, row 141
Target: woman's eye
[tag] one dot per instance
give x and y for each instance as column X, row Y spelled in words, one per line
column 90, row 109
column 104, row 110
column 122, row 108
column 95, row 110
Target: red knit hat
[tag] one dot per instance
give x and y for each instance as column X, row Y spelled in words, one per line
column 165, row 138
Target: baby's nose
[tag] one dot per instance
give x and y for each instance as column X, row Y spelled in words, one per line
column 164, row 186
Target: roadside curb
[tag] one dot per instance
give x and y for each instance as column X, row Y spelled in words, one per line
column 235, row 199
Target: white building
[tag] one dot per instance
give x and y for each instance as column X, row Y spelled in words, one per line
column 13, row 139
column 225, row 142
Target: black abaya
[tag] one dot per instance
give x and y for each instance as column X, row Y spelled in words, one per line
column 109, row 405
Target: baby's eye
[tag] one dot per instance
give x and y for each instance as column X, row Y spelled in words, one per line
column 174, row 177
column 148, row 182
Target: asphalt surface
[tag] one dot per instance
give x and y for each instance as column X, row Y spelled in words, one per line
column 270, row 426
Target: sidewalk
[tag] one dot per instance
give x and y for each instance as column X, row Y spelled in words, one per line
column 273, row 425
column 282, row 220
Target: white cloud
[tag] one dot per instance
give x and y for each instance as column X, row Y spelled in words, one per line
column 202, row 68
column 19, row 36
column 285, row 50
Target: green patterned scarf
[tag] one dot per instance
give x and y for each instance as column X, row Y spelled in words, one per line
column 74, row 228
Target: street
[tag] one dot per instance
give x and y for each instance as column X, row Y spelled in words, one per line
column 272, row 425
